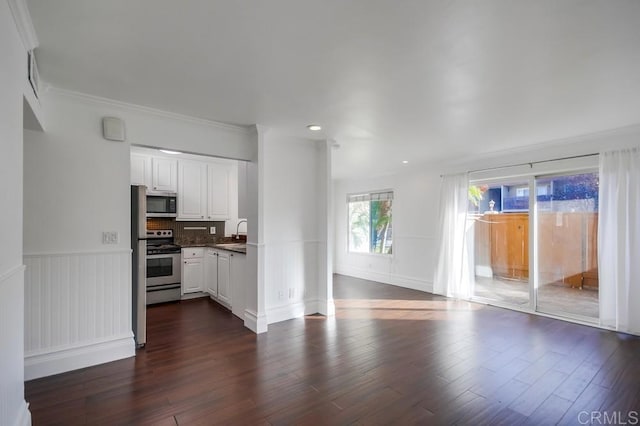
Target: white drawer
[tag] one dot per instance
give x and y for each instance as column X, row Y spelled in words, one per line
column 192, row 252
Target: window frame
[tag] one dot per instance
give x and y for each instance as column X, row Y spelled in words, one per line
column 348, row 218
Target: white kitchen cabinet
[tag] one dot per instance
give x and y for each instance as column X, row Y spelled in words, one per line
column 238, row 266
column 164, row 175
column 224, row 283
column 203, row 191
column 242, row 189
column 211, row 272
column 192, row 273
column 192, row 190
column 218, row 183
column 140, row 170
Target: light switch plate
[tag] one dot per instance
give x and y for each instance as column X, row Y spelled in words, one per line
column 212, row 230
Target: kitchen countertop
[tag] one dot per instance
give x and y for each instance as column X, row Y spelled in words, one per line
column 234, row 247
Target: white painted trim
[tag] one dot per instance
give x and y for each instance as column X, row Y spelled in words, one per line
column 320, row 306
column 148, row 110
column 24, row 416
column 11, row 272
column 44, row 364
column 285, row 242
column 311, row 306
column 78, row 252
column 326, row 308
column 286, row 312
column 415, row 237
column 392, row 279
column 255, row 323
column 24, row 24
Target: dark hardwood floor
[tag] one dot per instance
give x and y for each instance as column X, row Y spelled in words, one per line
column 390, row 356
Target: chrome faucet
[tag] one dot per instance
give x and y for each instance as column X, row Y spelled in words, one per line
column 238, row 227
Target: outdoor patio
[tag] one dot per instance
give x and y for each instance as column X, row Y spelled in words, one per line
column 552, row 298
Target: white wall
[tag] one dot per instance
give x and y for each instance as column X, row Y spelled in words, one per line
column 13, row 408
column 294, row 249
column 160, row 129
column 414, row 230
column 76, row 187
column 416, row 203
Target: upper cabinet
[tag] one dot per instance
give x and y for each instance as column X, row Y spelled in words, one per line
column 192, row 190
column 141, row 170
column 157, row 174
column 164, row 175
column 219, row 182
column 242, row 189
column 203, row 191
column 207, row 189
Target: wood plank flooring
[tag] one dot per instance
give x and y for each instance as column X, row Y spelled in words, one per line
column 390, row 356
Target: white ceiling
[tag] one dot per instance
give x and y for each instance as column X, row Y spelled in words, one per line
column 422, row 80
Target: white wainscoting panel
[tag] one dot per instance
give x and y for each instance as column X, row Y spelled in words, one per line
column 410, row 266
column 291, row 279
column 77, row 310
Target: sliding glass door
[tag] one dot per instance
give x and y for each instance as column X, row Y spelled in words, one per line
column 567, row 244
column 546, row 261
column 499, row 217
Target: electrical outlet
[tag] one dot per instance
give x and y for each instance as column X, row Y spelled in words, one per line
column 110, row 237
column 212, row 230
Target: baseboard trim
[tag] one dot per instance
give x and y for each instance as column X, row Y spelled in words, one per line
column 326, row 307
column 392, row 279
column 24, row 416
column 286, row 312
column 254, row 322
column 68, row 359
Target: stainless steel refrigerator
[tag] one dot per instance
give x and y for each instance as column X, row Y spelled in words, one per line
column 139, row 263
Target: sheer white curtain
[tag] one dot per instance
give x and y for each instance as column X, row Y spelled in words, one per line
column 451, row 277
column 619, row 240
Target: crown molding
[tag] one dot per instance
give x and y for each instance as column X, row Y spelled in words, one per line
column 148, row 110
column 24, row 24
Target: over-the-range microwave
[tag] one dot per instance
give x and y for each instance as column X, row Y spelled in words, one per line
column 162, row 205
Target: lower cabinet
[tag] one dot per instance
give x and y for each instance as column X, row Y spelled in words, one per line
column 211, row 272
column 224, row 279
column 192, row 273
column 224, row 282
column 237, row 273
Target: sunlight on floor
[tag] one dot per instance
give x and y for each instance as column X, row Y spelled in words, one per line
column 402, row 309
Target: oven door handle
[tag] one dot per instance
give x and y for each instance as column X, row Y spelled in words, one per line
column 159, row 256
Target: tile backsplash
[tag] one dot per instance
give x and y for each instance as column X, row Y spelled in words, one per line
column 185, row 236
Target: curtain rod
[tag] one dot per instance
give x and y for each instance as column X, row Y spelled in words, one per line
column 530, row 163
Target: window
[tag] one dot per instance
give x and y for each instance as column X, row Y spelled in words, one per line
column 370, row 229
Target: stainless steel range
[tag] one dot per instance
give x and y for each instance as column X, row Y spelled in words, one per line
column 163, row 267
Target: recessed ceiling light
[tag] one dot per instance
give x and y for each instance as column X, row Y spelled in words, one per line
column 314, row 127
column 166, row 151
column 405, row 161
